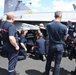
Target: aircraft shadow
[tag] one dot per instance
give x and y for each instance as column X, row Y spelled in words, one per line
column 33, row 72
column 3, row 71
column 63, row 71
column 33, row 57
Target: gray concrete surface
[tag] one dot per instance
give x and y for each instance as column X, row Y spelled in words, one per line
column 31, row 66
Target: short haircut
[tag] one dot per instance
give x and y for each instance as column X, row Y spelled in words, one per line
column 58, row 14
column 22, row 31
column 69, row 22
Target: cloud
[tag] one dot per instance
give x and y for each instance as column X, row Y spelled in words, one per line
column 63, row 5
column 46, row 8
column 35, row 3
column 1, row 4
column 42, row 9
column 56, row 5
column 1, row 7
column 37, row 6
column 35, row 10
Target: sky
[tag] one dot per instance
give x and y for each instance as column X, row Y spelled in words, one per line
column 45, row 5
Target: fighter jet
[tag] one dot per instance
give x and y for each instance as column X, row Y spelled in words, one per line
column 19, row 9
column 74, row 6
column 23, row 14
column 15, row 6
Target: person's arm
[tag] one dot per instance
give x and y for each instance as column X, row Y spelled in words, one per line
column 65, row 35
column 35, row 45
column 13, row 42
column 23, row 46
column 12, row 39
column 4, row 18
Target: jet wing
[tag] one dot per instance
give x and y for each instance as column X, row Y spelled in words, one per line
column 46, row 17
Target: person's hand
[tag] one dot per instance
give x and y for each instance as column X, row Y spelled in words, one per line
column 32, row 48
column 4, row 18
column 67, row 35
column 25, row 49
column 17, row 48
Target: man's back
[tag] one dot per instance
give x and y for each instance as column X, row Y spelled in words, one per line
column 41, row 45
column 8, row 29
column 10, row 42
column 23, row 40
column 57, row 35
column 70, row 31
column 56, row 31
column 5, row 31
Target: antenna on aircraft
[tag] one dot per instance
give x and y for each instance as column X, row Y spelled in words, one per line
column 74, row 6
column 30, row 3
column 19, row 0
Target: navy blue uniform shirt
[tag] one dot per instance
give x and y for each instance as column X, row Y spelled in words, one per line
column 41, row 45
column 23, row 40
column 8, row 29
column 56, row 32
column 70, row 30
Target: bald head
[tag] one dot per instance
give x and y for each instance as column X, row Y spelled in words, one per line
column 10, row 16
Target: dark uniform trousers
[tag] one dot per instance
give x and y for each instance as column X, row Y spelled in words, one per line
column 22, row 54
column 12, row 57
column 8, row 29
column 56, row 50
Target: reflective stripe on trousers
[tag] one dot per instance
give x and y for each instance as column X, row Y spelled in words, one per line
column 12, row 57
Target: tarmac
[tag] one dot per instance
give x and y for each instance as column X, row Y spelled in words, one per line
column 32, row 66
